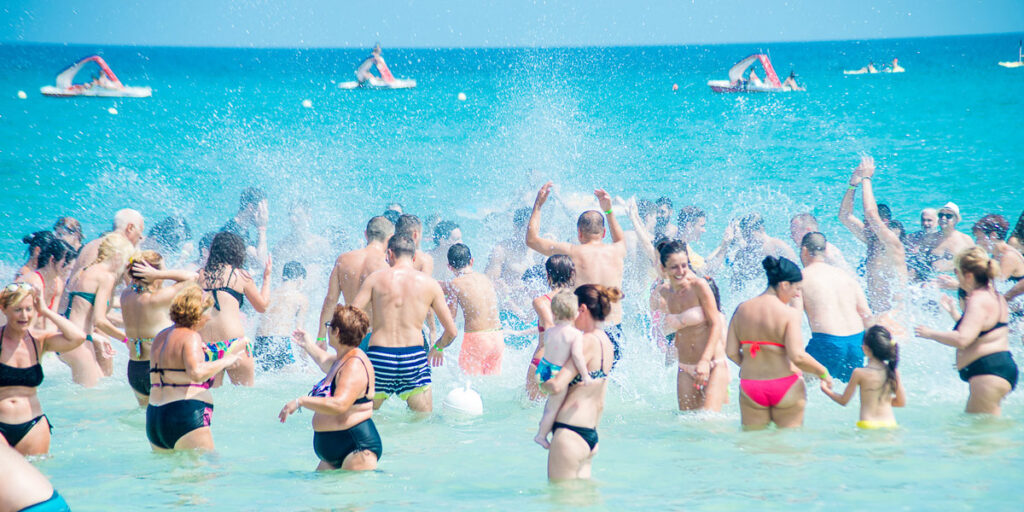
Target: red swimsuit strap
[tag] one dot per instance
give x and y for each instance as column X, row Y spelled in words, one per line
column 756, row 345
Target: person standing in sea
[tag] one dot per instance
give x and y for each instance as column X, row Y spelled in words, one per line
column 596, row 262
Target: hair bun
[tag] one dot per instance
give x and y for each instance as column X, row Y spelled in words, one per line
column 770, row 262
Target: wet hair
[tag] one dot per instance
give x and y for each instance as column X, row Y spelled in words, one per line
column 714, row 292
column 993, row 223
column 408, row 224
column 153, row 258
column 976, row 261
column 590, row 222
column 70, row 253
column 171, row 233
column 188, row 306
column 351, row 323
column 55, row 250
column 293, row 270
column 71, row 225
column 225, row 249
column 781, row 270
column 459, row 256
column 644, row 207
column 884, row 212
column 561, row 271
column 663, row 201
column 379, row 229
column 251, row 197
column 38, row 240
column 598, row 299
column 690, row 214
column 444, row 230
column 206, row 241
column 520, row 217
column 879, row 341
column 751, row 223
column 391, row 215
column 814, row 242
column 9, row 298
column 564, row 305
column 666, row 248
column 806, row 220
column 113, row 245
column 402, row 245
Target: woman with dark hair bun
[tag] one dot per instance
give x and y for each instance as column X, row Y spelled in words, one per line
column 35, row 242
column 53, row 262
column 771, row 390
column 561, row 274
column 981, row 334
column 574, row 438
column 229, row 284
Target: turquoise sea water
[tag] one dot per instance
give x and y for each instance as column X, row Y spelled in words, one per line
column 219, row 120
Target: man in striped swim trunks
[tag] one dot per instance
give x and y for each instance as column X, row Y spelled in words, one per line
column 401, row 298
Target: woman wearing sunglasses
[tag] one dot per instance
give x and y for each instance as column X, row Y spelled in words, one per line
column 22, row 422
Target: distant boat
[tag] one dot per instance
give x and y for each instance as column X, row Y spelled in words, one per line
column 737, row 83
column 104, row 85
column 366, row 79
column 1020, row 58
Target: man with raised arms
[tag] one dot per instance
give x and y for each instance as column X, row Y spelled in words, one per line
column 401, row 297
column 885, row 264
column 353, row 267
column 596, row 262
column 836, row 307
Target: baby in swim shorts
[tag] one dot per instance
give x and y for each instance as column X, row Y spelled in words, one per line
column 561, row 342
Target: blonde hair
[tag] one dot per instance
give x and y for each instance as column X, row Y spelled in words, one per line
column 189, row 305
column 977, row 262
column 9, row 298
column 114, row 244
column 153, row 258
column 564, row 305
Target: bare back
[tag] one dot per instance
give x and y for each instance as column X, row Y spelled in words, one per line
column 402, row 297
column 354, row 267
column 478, row 300
column 602, row 264
column 764, row 318
column 832, row 300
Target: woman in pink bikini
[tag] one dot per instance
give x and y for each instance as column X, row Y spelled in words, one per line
column 691, row 313
column 771, row 390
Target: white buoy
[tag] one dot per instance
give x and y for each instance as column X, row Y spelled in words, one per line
column 22, row 95
column 112, row 110
column 307, row 103
column 464, row 401
column 462, row 96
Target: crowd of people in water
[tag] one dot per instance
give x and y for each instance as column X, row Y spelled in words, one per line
column 389, row 313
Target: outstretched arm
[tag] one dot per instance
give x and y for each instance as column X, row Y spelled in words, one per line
column 440, row 308
column 878, row 226
column 846, row 216
column 100, row 309
column 69, row 335
column 330, row 301
column 643, row 237
column 851, row 387
column 605, row 200
column 533, row 239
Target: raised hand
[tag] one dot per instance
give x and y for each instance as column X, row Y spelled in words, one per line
column 542, row 195
column 604, row 199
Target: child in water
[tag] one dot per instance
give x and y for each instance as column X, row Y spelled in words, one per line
column 880, row 385
column 561, row 342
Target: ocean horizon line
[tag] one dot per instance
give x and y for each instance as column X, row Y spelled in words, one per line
column 497, row 47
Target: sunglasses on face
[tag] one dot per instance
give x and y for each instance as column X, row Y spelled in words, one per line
column 946, row 215
column 13, row 287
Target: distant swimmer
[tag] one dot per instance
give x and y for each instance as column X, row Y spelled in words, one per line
column 446, row 234
column 596, row 262
column 401, row 297
column 483, row 341
column 790, row 83
column 880, row 385
column 364, row 73
column 352, row 268
column 745, row 244
column 836, row 307
column 895, row 68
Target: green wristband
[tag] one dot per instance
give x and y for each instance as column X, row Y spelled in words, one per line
column 321, row 339
column 438, row 349
column 608, row 211
column 825, row 376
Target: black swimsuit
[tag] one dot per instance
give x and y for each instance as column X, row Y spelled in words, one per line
column 588, row 434
column 31, row 377
column 333, row 446
column 239, row 296
column 167, row 423
column 1000, row 364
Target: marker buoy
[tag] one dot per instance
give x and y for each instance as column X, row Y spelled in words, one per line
column 307, row 103
column 462, row 96
column 112, row 110
column 22, row 95
column 675, row 87
column 464, row 401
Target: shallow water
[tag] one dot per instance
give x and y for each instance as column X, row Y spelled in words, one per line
column 948, row 129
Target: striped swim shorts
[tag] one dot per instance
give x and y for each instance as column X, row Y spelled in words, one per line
column 401, row 371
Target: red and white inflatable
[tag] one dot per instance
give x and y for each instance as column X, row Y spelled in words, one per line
column 737, row 82
column 105, row 85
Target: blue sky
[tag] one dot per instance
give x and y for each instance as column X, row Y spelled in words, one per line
column 490, row 23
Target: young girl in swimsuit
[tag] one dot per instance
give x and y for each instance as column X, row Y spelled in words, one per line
column 561, row 274
column 560, row 343
column 880, row 385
